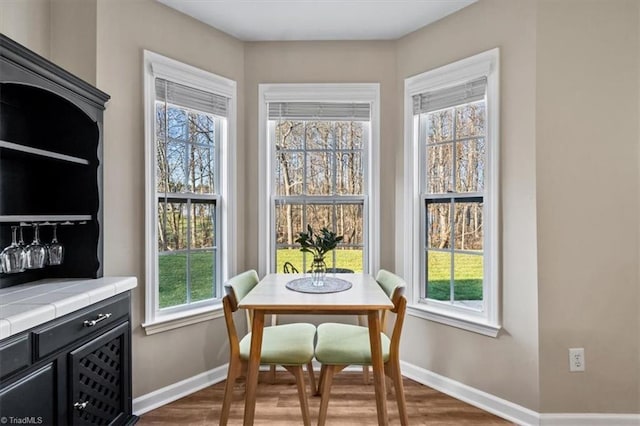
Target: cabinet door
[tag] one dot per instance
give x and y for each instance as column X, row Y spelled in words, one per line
column 99, row 381
column 31, row 399
column 15, row 354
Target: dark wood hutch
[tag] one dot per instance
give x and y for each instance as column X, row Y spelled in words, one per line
column 75, row 369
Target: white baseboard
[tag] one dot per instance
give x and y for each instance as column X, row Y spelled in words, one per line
column 589, row 419
column 483, row 400
column 178, row 390
column 498, row 406
column 510, row 411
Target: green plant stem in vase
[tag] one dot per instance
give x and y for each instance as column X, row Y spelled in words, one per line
column 318, row 245
column 318, row 271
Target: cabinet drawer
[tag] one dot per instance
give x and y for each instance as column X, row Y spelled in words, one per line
column 80, row 324
column 15, row 355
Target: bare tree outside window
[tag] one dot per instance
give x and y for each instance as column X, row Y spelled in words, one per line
column 455, row 161
column 320, row 181
column 186, row 187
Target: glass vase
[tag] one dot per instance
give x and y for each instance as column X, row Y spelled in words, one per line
column 318, row 271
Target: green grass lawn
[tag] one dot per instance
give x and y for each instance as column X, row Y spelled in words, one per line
column 467, row 285
column 468, row 271
column 467, row 274
column 345, row 258
column 173, row 277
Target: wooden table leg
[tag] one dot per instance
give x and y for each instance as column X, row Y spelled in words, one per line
column 253, row 367
column 378, row 368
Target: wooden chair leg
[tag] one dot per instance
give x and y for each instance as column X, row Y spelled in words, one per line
column 243, row 374
column 323, row 371
column 312, row 379
column 388, row 381
column 362, row 322
column 365, row 374
column 326, row 378
column 396, row 376
column 298, row 372
column 232, row 375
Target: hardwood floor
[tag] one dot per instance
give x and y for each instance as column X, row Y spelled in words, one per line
column 352, row 403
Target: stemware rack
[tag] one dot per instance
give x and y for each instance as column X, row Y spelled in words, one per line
column 25, row 220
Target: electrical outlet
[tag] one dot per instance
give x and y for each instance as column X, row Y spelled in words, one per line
column 576, row 359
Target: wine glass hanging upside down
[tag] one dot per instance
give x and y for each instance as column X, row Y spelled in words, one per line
column 17, row 258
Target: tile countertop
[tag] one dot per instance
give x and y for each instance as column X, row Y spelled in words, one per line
column 28, row 305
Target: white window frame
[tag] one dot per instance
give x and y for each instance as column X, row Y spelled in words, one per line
column 487, row 321
column 159, row 66
column 339, row 92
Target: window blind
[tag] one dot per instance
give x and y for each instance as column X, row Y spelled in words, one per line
column 319, row 111
column 188, row 97
column 434, row 100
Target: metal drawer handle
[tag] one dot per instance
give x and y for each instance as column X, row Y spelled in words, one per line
column 80, row 405
column 101, row 317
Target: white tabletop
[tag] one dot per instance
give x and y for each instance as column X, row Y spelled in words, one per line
column 272, row 295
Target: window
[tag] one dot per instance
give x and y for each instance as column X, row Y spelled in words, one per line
column 453, row 172
column 319, row 152
column 188, row 150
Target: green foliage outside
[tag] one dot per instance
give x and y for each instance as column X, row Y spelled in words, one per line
column 468, row 271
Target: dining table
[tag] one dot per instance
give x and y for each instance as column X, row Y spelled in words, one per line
column 272, row 296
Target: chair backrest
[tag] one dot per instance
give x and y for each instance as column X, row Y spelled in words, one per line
column 288, row 268
column 389, row 281
column 395, row 287
column 236, row 288
column 239, row 286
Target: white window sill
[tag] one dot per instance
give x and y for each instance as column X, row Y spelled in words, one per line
column 454, row 319
column 183, row 319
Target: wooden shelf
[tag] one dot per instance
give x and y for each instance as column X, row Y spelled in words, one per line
column 42, row 153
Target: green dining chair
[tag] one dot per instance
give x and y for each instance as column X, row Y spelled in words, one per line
column 341, row 345
column 289, row 345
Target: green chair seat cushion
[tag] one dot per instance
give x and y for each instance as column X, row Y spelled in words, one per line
column 344, row 344
column 288, row 344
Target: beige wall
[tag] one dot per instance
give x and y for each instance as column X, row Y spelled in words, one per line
column 507, row 366
column 28, row 23
column 63, row 31
column 125, row 28
column 324, row 62
column 587, row 179
column 73, row 37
